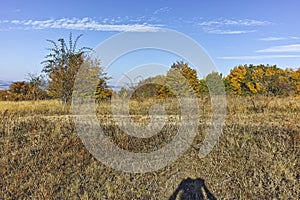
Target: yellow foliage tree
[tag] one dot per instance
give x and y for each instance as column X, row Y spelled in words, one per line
column 236, row 79
column 264, row 80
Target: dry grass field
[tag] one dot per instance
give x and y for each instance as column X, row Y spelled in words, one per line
column 256, row 157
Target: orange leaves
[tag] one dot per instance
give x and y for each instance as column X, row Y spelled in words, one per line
column 263, row 79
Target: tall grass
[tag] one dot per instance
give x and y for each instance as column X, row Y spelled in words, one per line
column 257, row 156
column 27, row 108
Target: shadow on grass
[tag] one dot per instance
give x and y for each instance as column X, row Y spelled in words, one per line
column 192, row 189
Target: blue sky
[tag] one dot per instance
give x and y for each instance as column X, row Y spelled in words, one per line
column 232, row 32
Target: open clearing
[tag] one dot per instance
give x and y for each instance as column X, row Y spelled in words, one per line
column 41, row 155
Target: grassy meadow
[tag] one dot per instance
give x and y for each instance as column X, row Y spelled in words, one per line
column 257, row 155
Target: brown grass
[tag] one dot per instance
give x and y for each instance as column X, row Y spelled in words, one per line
column 257, row 156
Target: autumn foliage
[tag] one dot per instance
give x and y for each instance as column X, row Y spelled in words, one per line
column 180, row 80
column 21, row 90
column 264, row 80
column 244, row 80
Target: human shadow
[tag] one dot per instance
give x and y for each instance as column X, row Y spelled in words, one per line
column 192, row 189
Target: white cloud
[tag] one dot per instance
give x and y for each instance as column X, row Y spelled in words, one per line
column 15, row 21
column 279, row 38
column 227, row 32
column 259, row 57
column 82, row 24
column 232, row 22
column 293, row 48
column 284, row 48
column 229, row 26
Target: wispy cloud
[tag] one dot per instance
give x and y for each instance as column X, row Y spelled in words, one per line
column 259, row 57
column 82, row 24
column 279, row 38
column 162, row 10
column 232, row 22
column 281, row 49
column 231, row 26
column 227, row 31
column 293, row 48
column 272, row 38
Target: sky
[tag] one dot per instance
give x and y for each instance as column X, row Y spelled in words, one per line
column 231, row 32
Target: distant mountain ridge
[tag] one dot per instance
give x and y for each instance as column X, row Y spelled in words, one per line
column 4, row 85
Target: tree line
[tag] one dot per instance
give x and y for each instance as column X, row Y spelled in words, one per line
column 243, row 80
column 61, row 67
